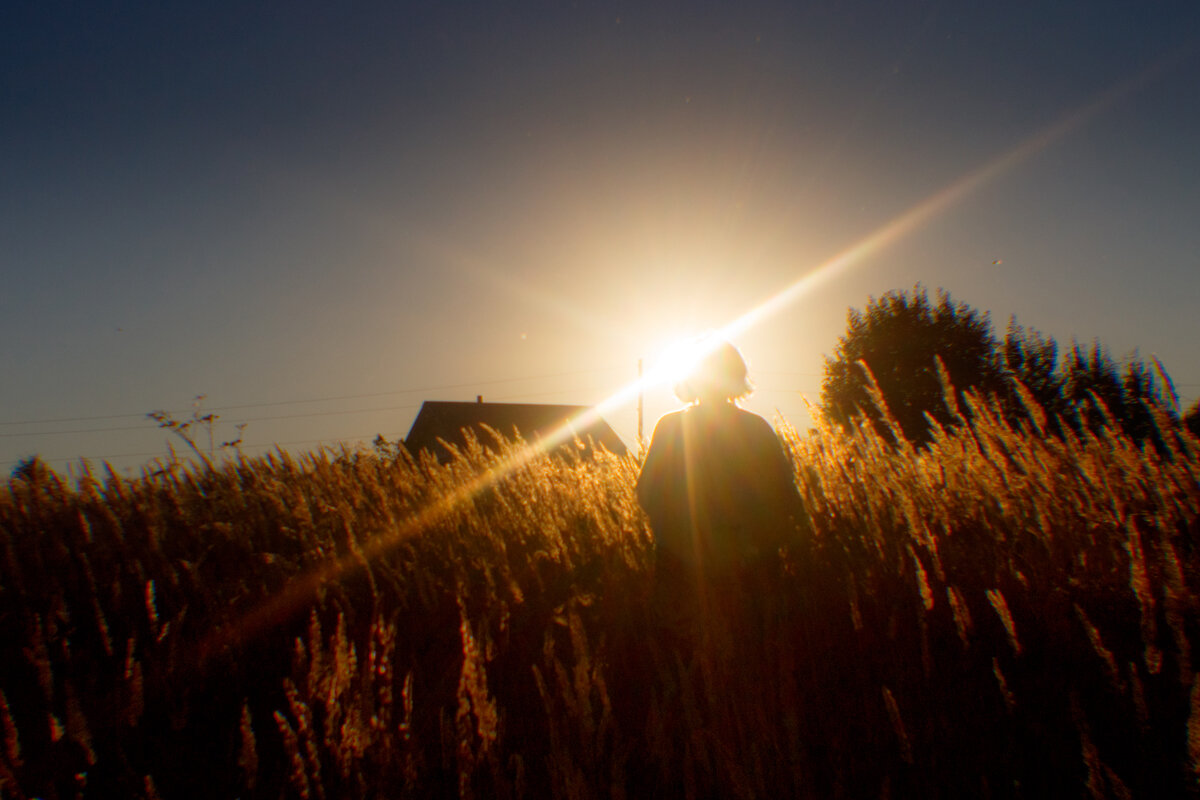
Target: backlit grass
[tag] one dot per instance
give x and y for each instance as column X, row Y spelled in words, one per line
column 1001, row 614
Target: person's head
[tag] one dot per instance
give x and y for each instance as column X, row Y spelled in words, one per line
column 719, row 376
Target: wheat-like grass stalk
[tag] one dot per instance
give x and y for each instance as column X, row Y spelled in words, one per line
column 485, row 631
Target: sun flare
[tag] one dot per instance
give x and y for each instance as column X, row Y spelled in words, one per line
column 677, row 356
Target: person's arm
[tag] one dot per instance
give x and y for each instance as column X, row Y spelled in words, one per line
column 651, row 480
column 789, row 494
column 780, row 500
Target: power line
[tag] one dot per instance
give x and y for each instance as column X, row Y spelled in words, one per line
column 269, row 418
column 77, row 430
column 331, row 440
column 248, row 420
column 154, row 453
column 254, row 419
column 420, row 389
column 142, row 415
column 323, row 399
column 339, row 439
column 331, row 413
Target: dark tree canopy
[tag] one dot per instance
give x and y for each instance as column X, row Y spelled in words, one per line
column 1096, row 387
column 1033, row 360
column 898, row 336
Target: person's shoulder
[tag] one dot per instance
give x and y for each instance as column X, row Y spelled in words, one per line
column 752, row 420
column 671, row 418
column 669, row 423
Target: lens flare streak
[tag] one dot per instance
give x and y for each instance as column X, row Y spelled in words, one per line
column 941, row 201
column 301, row 591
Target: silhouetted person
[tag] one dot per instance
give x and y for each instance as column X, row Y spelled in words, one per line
column 718, row 490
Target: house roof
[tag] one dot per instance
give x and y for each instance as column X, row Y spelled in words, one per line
column 446, row 420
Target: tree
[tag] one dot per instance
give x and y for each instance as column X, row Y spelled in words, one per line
column 1098, row 390
column 1032, row 359
column 898, row 337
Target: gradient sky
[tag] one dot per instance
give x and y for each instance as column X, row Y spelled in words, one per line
column 321, row 214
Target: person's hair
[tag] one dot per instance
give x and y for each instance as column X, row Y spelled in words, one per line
column 721, row 373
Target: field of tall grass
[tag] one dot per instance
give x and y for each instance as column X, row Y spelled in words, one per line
column 1001, row 614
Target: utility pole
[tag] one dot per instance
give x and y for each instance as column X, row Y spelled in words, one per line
column 641, row 402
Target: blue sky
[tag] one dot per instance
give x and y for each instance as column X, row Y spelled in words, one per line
column 320, row 215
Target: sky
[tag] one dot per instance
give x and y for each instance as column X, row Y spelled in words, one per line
column 318, row 215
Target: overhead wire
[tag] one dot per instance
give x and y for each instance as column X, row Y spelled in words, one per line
column 339, row 412
column 312, row 414
column 359, row 396
column 340, row 439
column 355, row 437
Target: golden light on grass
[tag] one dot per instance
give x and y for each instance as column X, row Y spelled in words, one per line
column 476, row 605
column 679, row 355
column 541, row 565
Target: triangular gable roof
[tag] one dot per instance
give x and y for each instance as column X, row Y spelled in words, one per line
column 447, row 419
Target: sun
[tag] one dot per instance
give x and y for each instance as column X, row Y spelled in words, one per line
column 679, row 355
